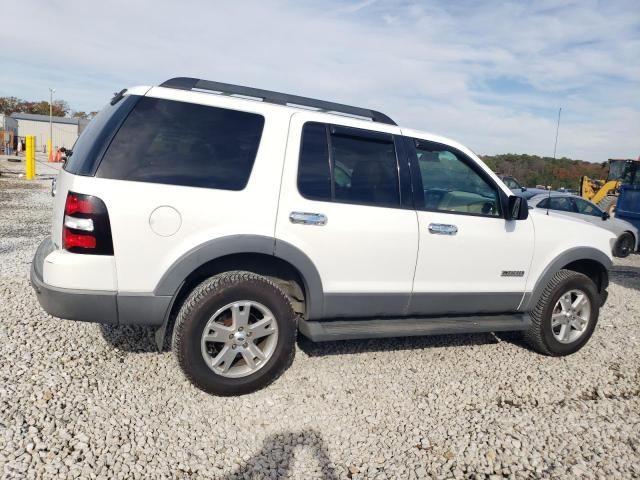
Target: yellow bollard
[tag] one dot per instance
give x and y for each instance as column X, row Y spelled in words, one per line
column 33, row 155
column 30, row 158
column 27, row 159
column 50, row 149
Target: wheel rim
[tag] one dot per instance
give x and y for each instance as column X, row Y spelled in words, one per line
column 239, row 339
column 571, row 316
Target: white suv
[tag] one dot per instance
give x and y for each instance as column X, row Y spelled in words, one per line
column 247, row 216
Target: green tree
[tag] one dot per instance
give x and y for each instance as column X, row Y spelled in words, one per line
column 9, row 105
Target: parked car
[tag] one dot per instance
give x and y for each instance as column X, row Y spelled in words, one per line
column 578, row 207
column 518, row 189
column 249, row 216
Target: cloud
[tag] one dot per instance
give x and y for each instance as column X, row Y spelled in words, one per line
column 491, row 75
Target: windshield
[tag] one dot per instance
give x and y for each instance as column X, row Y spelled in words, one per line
column 512, row 183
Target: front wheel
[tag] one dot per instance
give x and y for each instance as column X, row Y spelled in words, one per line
column 235, row 334
column 565, row 316
column 624, row 245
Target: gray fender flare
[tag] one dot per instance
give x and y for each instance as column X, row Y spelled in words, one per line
column 565, row 258
column 174, row 277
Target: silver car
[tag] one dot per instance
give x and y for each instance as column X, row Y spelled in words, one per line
column 578, row 207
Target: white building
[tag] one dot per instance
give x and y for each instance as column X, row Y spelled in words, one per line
column 65, row 130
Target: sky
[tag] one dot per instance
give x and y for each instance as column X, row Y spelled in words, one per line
column 491, row 75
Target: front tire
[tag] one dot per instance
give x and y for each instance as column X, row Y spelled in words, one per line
column 565, row 316
column 624, row 245
column 235, row 334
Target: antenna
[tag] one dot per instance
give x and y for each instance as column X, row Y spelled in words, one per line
column 555, row 146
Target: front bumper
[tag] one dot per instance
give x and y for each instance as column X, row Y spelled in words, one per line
column 71, row 304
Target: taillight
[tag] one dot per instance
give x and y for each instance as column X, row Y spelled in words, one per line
column 86, row 227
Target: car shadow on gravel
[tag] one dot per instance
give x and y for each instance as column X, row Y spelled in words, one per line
column 345, row 347
column 278, row 453
column 130, row 338
column 137, row 339
column 626, row 276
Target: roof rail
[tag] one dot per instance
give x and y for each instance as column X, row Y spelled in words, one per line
column 185, row 83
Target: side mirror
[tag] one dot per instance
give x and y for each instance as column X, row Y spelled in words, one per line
column 605, row 216
column 523, row 189
column 517, row 208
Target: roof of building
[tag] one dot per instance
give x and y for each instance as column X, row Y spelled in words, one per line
column 45, row 118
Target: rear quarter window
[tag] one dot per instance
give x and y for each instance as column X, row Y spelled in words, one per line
column 177, row 143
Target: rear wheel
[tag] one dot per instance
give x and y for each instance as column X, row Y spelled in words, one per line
column 565, row 316
column 624, row 245
column 235, row 334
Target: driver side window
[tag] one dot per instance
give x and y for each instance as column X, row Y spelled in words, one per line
column 450, row 184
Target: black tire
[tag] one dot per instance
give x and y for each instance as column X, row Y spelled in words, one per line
column 213, row 294
column 624, row 245
column 608, row 204
column 540, row 335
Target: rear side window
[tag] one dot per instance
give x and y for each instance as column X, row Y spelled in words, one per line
column 348, row 165
column 177, row 143
column 314, row 175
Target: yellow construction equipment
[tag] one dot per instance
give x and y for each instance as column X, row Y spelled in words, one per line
column 605, row 193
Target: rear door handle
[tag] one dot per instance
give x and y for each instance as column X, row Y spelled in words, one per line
column 442, row 229
column 305, row 218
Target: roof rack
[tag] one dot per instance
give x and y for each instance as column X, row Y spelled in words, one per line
column 185, row 83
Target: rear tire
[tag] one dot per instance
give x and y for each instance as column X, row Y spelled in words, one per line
column 554, row 328
column 213, row 338
column 624, row 245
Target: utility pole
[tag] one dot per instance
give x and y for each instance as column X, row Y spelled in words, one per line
column 555, row 145
column 50, row 143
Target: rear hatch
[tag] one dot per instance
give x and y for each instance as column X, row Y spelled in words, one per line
column 83, row 161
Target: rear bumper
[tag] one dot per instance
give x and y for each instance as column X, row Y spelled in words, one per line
column 71, row 304
column 94, row 305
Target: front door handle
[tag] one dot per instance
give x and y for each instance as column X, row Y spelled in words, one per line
column 305, row 218
column 442, row 229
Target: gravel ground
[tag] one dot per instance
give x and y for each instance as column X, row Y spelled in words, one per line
column 78, row 400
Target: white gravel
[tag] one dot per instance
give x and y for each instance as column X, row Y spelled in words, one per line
column 81, row 401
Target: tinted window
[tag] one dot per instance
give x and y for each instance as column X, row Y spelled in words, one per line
column 562, row 204
column 95, row 137
column 587, row 208
column 450, row 183
column 365, row 167
column 179, row 143
column 314, row 176
column 351, row 166
column 543, row 203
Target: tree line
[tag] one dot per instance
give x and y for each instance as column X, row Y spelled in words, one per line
column 532, row 170
column 59, row 108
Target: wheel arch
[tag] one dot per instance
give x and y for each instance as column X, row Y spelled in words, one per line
column 258, row 254
column 589, row 261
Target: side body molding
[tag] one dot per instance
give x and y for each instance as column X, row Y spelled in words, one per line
column 173, row 278
column 565, row 258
